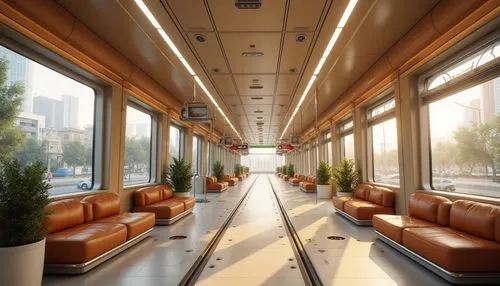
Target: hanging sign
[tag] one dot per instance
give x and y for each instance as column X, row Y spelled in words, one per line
column 243, row 146
column 195, row 112
column 285, row 147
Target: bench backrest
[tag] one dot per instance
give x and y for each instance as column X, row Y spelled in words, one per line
column 147, row 196
column 435, row 209
column 101, row 205
column 381, row 196
column 63, row 214
column 477, row 219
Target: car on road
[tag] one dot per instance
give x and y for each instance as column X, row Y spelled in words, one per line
column 440, row 184
column 84, row 184
column 63, row 172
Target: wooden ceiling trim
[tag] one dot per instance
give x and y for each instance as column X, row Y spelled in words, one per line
column 424, row 35
column 42, row 24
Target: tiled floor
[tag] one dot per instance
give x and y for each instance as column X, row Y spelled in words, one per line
column 360, row 259
column 159, row 260
column 255, row 250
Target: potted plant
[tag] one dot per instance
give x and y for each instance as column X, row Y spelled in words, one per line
column 237, row 171
column 345, row 177
column 179, row 176
column 284, row 170
column 290, row 171
column 323, row 181
column 23, row 197
column 218, row 171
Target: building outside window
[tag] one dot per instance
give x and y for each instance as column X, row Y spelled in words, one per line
column 176, row 143
column 464, row 126
column 327, row 145
column 55, row 124
column 138, row 146
column 384, row 143
column 347, row 139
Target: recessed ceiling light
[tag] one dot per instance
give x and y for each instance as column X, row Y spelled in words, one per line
column 200, row 38
column 300, row 38
column 215, row 70
column 292, row 70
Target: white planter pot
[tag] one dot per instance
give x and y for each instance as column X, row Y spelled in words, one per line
column 324, row 191
column 22, row 265
column 182, row 194
column 344, row 194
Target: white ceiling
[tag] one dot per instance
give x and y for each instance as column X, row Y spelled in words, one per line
column 259, row 89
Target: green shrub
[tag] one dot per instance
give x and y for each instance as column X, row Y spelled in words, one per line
column 218, row 171
column 23, row 197
column 345, row 176
column 179, row 175
column 324, row 173
column 237, row 170
column 284, row 170
column 290, row 170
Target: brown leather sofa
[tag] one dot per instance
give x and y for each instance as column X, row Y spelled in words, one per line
column 365, row 202
column 295, row 181
column 216, row 187
column 231, row 179
column 161, row 201
column 286, row 178
column 84, row 234
column 309, row 185
column 459, row 241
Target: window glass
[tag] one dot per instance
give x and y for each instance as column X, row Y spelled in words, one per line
column 137, row 168
column 196, row 156
column 385, row 152
column 465, row 141
column 52, row 121
column 328, row 147
column 486, row 55
column 383, row 108
column 175, row 142
column 210, row 157
column 347, row 146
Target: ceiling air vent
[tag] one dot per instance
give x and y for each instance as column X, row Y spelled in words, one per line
column 258, row 111
column 255, row 86
column 256, row 98
column 247, row 4
column 252, row 54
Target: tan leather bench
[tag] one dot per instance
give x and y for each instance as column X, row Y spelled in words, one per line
column 216, row 187
column 80, row 238
column 459, row 241
column 295, row 181
column 161, row 201
column 231, row 179
column 309, row 185
column 365, row 202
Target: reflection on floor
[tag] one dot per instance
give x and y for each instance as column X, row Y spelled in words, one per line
column 159, row 260
column 255, row 250
column 359, row 259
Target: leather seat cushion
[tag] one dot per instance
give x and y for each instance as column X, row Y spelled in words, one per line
column 392, row 225
column 364, row 210
column 215, row 186
column 188, row 202
column 309, row 186
column 453, row 250
column 84, row 242
column 164, row 209
column 339, row 202
column 136, row 223
column 230, row 182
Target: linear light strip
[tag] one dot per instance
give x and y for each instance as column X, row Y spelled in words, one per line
column 145, row 10
column 340, row 26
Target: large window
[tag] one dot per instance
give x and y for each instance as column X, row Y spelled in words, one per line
column 384, row 143
column 465, row 127
column 347, row 139
column 196, row 156
column 176, row 143
column 327, row 139
column 211, row 156
column 48, row 117
column 138, row 146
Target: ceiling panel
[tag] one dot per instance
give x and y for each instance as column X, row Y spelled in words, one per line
column 245, row 82
column 229, row 18
column 282, row 99
column 225, row 84
column 286, row 84
column 208, row 49
column 295, row 50
column 231, row 100
column 193, row 16
column 237, row 45
column 303, row 15
column 251, row 108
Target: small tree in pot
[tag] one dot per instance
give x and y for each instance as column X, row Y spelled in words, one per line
column 346, row 177
column 218, row 171
column 323, row 178
column 179, row 176
column 23, row 198
column 237, row 170
column 284, row 170
column 290, row 170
